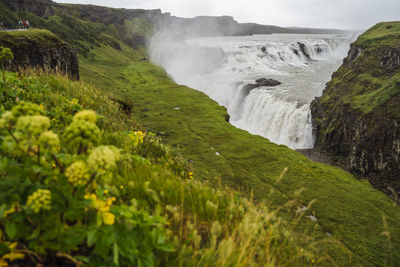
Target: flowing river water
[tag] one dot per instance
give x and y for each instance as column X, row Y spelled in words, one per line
column 302, row 63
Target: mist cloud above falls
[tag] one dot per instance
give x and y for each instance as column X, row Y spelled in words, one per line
column 344, row 14
column 180, row 59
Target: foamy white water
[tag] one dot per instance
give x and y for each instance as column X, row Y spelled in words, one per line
column 303, row 63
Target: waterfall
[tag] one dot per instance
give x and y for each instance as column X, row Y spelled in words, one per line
column 303, row 63
column 281, row 121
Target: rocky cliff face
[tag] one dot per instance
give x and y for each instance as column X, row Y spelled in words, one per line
column 42, row 8
column 357, row 119
column 41, row 49
column 120, row 17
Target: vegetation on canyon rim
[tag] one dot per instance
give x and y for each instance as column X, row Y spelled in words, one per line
column 82, row 188
column 182, row 211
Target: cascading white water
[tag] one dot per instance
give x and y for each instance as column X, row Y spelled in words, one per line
column 281, row 121
column 303, row 63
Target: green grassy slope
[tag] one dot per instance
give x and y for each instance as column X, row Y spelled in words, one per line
column 10, row 39
column 349, row 209
column 365, row 84
column 152, row 181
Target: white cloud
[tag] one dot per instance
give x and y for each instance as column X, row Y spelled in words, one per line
column 349, row 14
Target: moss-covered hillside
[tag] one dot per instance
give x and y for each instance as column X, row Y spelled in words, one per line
column 358, row 115
column 327, row 210
column 84, row 26
column 40, row 49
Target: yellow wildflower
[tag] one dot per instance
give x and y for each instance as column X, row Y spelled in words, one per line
column 40, row 200
column 73, row 101
column 78, row 174
column 49, row 141
column 32, row 125
column 26, row 109
column 86, row 115
column 103, row 158
column 11, row 210
column 102, row 207
column 81, row 133
column 137, row 137
column 12, row 255
column 7, row 117
column 108, row 218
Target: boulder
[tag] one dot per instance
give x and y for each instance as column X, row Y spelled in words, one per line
column 259, row 83
column 303, row 50
column 267, row 82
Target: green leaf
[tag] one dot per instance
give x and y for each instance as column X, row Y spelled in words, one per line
column 11, row 229
column 35, row 234
column 104, row 241
column 4, row 248
column 36, row 169
column 74, row 237
column 146, row 259
column 82, row 258
column 91, row 237
column 3, row 163
column 74, row 214
column 116, row 254
column 2, row 209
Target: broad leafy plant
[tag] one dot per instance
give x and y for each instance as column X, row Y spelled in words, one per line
column 56, row 198
column 5, row 56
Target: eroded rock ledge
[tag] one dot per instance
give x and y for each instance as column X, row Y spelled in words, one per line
column 40, row 49
column 357, row 119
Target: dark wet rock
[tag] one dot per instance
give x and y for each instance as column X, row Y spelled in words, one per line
column 124, row 106
column 267, row 82
column 390, row 58
column 303, row 50
column 316, row 155
column 259, row 83
column 264, row 49
column 318, row 49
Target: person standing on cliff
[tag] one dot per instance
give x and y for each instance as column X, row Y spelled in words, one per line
column 28, row 24
column 20, row 24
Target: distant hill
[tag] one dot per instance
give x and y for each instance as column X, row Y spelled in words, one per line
column 226, row 25
column 180, row 27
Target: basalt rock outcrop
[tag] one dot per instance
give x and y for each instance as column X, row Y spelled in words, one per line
column 357, row 119
column 260, row 83
column 40, row 49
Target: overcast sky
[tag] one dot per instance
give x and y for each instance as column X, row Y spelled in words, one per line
column 345, row 14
